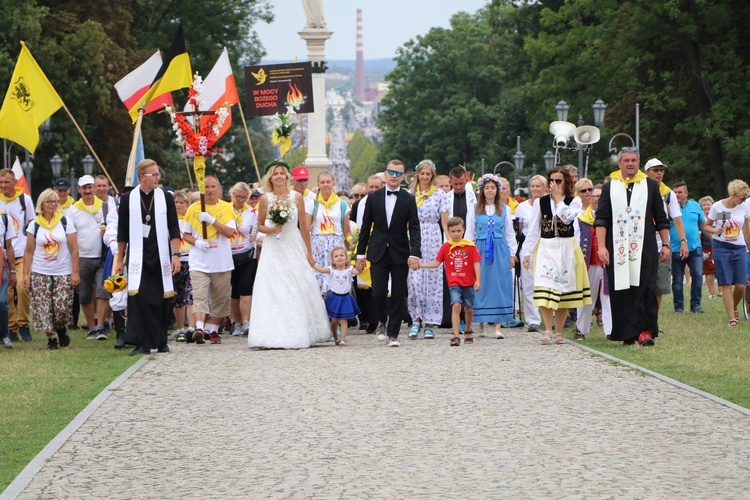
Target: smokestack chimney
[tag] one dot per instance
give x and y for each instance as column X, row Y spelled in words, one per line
column 359, row 77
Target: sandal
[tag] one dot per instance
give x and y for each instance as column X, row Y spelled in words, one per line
column 428, row 334
column 559, row 338
column 546, row 339
column 455, row 342
column 734, row 322
column 468, row 337
column 342, row 343
column 414, row 330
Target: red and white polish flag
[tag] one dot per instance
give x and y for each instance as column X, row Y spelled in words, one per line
column 135, row 84
column 218, row 89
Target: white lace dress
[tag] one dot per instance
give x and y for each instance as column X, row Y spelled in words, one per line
column 288, row 311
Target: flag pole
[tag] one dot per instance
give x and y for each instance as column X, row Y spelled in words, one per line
column 249, row 142
column 136, row 133
column 187, row 166
column 91, row 148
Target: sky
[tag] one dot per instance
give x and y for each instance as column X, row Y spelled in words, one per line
column 386, row 25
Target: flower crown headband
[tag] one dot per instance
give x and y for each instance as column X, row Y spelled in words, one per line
column 275, row 163
column 489, row 177
column 425, row 162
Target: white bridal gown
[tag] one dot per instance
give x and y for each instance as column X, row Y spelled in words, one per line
column 288, row 311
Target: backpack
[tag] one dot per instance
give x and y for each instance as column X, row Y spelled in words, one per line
column 64, row 223
column 344, row 206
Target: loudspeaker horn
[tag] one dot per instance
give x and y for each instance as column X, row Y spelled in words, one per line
column 562, row 131
column 586, row 135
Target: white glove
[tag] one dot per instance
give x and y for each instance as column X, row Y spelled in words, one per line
column 113, row 247
column 202, row 244
column 207, row 218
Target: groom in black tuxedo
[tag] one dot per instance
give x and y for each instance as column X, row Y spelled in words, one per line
column 393, row 247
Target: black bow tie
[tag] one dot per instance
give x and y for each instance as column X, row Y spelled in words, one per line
column 391, row 192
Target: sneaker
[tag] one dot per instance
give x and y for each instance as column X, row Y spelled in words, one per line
column 52, row 344
column 678, row 311
column 180, row 337
column 342, row 343
column 533, row 328
column 429, row 334
column 380, row 331
column 163, row 348
column 363, row 326
column 237, row 330
column 645, row 339
column 697, row 310
column 199, row 336
column 101, row 335
column 711, row 297
column 569, row 322
column 7, row 343
column 579, row 335
column 189, row 335
column 62, row 334
column 214, row 338
column 393, row 342
column 414, row 331
column 499, row 334
column 245, row 328
column 13, row 336
column 107, row 327
column 23, row 331
column 92, row 335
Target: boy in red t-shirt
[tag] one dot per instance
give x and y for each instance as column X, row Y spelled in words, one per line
column 463, row 273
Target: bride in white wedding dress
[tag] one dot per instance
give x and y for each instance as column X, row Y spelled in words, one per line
column 288, row 311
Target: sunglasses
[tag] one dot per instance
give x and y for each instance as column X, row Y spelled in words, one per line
column 585, row 190
column 394, row 172
column 557, row 181
column 629, row 150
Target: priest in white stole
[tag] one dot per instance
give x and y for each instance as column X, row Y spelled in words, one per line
column 629, row 214
column 149, row 227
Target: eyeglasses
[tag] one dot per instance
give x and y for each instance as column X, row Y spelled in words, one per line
column 157, row 174
column 557, row 181
column 585, row 190
column 629, row 150
column 394, row 172
column 52, row 201
column 240, row 197
column 356, row 196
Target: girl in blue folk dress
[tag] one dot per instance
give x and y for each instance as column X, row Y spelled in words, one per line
column 496, row 243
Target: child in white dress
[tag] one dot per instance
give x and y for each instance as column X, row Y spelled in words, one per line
column 340, row 302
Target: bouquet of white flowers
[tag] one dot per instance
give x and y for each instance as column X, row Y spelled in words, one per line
column 279, row 212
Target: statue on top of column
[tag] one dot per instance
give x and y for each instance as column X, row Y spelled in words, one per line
column 314, row 13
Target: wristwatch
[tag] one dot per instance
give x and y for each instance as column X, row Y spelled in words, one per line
column 12, row 271
column 665, row 245
column 683, row 240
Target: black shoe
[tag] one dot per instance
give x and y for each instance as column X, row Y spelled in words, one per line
column 140, row 350
column 73, row 327
column 120, row 342
column 363, row 326
column 569, row 322
column 52, row 344
column 25, row 334
column 13, row 336
column 62, row 333
column 163, row 348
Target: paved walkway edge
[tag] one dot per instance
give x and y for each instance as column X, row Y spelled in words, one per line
column 15, row 488
column 663, row 378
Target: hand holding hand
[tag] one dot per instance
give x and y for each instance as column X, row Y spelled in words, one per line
column 360, row 265
column 202, row 244
column 206, row 217
column 413, row 263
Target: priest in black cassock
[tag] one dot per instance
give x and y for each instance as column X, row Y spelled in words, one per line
column 148, row 226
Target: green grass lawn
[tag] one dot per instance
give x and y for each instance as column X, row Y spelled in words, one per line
column 41, row 391
column 700, row 350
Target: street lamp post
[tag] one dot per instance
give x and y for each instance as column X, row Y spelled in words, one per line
column 88, row 165
column 56, row 164
column 516, row 166
column 549, row 160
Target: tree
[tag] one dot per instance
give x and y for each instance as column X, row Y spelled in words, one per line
column 363, row 155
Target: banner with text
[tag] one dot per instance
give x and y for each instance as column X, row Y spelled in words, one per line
column 275, row 88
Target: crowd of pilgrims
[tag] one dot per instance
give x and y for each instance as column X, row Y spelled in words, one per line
column 510, row 234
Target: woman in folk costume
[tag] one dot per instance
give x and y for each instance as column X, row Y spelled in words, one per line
column 496, row 243
column 425, row 286
column 148, row 226
column 329, row 225
column 629, row 214
column 560, row 277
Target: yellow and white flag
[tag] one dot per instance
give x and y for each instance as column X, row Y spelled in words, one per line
column 30, row 100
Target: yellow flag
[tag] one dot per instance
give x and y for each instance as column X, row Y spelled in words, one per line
column 30, row 100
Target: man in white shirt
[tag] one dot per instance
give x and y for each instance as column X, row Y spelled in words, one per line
column 210, row 260
column 89, row 220
column 19, row 209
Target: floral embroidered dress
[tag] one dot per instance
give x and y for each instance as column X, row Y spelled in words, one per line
column 425, row 286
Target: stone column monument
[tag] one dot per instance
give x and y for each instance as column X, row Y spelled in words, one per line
column 315, row 34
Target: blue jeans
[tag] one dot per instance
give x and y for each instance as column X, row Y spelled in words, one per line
column 695, row 261
column 4, row 304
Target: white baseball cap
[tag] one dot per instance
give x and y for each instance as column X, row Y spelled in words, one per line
column 85, row 181
column 653, row 162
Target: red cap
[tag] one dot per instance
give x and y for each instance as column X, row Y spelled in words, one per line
column 300, row 173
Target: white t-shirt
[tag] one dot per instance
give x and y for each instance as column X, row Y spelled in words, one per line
column 242, row 240
column 19, row 218
column 9, row 234
column 673, row 211
column 731, row 219
column 88, row 226
column 523, row 214
column 51, row 252
column 341, row 281
column 327, row 221
column 218, row 257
